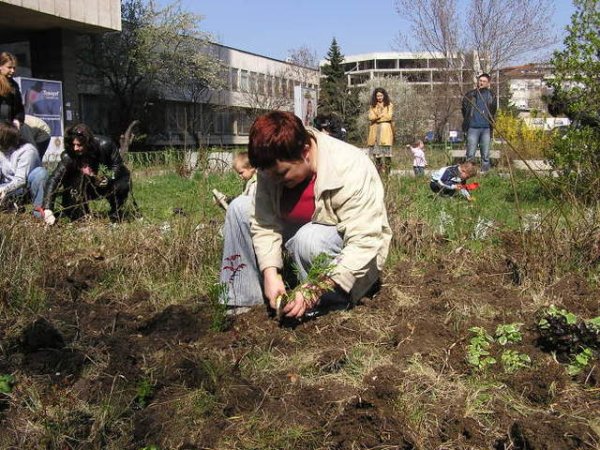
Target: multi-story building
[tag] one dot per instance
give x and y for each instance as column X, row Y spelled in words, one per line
column 43, row 35
column 425, row 70
column 527, row 86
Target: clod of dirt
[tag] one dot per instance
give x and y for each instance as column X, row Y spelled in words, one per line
column 176, row 322
column 41, row 335
column 540, row 432
column 538, row 386
column 331, row 360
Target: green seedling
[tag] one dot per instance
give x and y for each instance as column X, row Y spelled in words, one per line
column 6, row 384
column 315, row 281
column 509, row 333
column 513, row 360
column 580, row 361
column 594, row 324
column 478, row 350
column 144, row 392
column 553, row 311
column 216, row 293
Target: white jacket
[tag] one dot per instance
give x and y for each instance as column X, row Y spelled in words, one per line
column 348, row 194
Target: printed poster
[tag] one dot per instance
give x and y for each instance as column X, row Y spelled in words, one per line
column 44, row 99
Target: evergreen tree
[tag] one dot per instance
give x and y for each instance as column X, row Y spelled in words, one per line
column 335, row 97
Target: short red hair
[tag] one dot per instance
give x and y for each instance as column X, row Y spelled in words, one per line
column 276, row 136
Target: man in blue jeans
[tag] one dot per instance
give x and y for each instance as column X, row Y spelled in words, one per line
column 478, row 110
column 21, row 171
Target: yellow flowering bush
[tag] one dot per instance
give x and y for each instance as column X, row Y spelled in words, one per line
column 522, row 141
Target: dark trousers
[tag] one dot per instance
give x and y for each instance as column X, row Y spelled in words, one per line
column 75, row 199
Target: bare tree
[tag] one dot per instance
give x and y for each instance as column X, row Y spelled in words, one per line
column 500, row 31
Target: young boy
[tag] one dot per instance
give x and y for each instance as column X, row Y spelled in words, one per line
column 241, row 164
column 447, row 180
column 419, row 161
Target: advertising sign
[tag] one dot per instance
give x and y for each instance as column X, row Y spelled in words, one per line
column 44, row 99
column 305, row 104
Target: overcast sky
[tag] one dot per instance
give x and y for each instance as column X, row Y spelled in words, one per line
column 273, row 27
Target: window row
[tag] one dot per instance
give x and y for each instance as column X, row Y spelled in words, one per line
column 241, row 80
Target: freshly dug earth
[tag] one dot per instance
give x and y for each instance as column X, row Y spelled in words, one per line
column 391, row 373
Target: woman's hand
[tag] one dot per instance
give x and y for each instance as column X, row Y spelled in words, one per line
column 304, row 301
column 274, row 286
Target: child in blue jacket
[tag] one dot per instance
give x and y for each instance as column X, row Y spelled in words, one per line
column 447, row 180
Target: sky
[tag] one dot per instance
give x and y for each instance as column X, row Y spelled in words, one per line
column 273, row 27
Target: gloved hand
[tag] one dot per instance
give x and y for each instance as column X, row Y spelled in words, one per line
column 49, row 217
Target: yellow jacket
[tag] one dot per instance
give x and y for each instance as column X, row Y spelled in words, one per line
column 382, row 119
column 348, row 194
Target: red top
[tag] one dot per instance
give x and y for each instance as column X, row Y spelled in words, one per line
column 298, row 203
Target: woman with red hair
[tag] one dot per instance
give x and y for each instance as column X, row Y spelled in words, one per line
column 315, row 194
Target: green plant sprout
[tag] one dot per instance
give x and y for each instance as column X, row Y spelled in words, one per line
column 478, row 354
column 513, row 360
column 553, row 311
column 509, row 333
column 144, row 392
column 580, row 361
column 316, row 281
column 6, row 383
column 216, row 293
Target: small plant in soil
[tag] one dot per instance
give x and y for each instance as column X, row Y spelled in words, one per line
column 216, row 293
column 315, row 282
column 6, row 383
column 580, row 361
column 144, row 393
column 509, row 333
column 478, row 350
column 513, row 360
column 575, row 342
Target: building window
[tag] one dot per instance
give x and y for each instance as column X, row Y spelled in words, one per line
column 366, row 65
column 233, row 79
column 260, row 87
column 244, row 81
column 386, row 63
column 252, row 82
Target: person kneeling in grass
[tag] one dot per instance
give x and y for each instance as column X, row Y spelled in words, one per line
column 21, row 171
column 448, row 180
column 315, row 195
column 91, row 167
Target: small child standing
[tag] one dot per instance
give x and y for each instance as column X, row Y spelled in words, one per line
column 241, row 164
column 447, row 180
column 419, row 161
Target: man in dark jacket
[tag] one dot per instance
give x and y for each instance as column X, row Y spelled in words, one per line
column 89, row 168
column 478, row 110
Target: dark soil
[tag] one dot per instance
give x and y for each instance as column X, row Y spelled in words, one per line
column 389, row 374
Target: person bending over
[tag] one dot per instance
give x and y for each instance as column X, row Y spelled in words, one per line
column 89, row 168
column 315, row 194
column 448, row 180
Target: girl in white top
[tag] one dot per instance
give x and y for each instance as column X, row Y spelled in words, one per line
column 419, row 161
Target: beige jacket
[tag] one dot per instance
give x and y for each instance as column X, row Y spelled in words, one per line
column 348, row 194
column 382, row 120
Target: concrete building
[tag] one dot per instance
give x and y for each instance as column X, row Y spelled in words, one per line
column 527, row 86
column 43, row 35
column 422, row 69
column 253, row 84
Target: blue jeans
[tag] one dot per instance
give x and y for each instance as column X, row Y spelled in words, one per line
column 239, row 268
column 481, row 137
column 36, row 181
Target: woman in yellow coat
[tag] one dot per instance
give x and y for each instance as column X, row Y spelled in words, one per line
column 381, row 134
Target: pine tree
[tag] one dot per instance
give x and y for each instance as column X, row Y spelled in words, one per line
column 335, row 97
